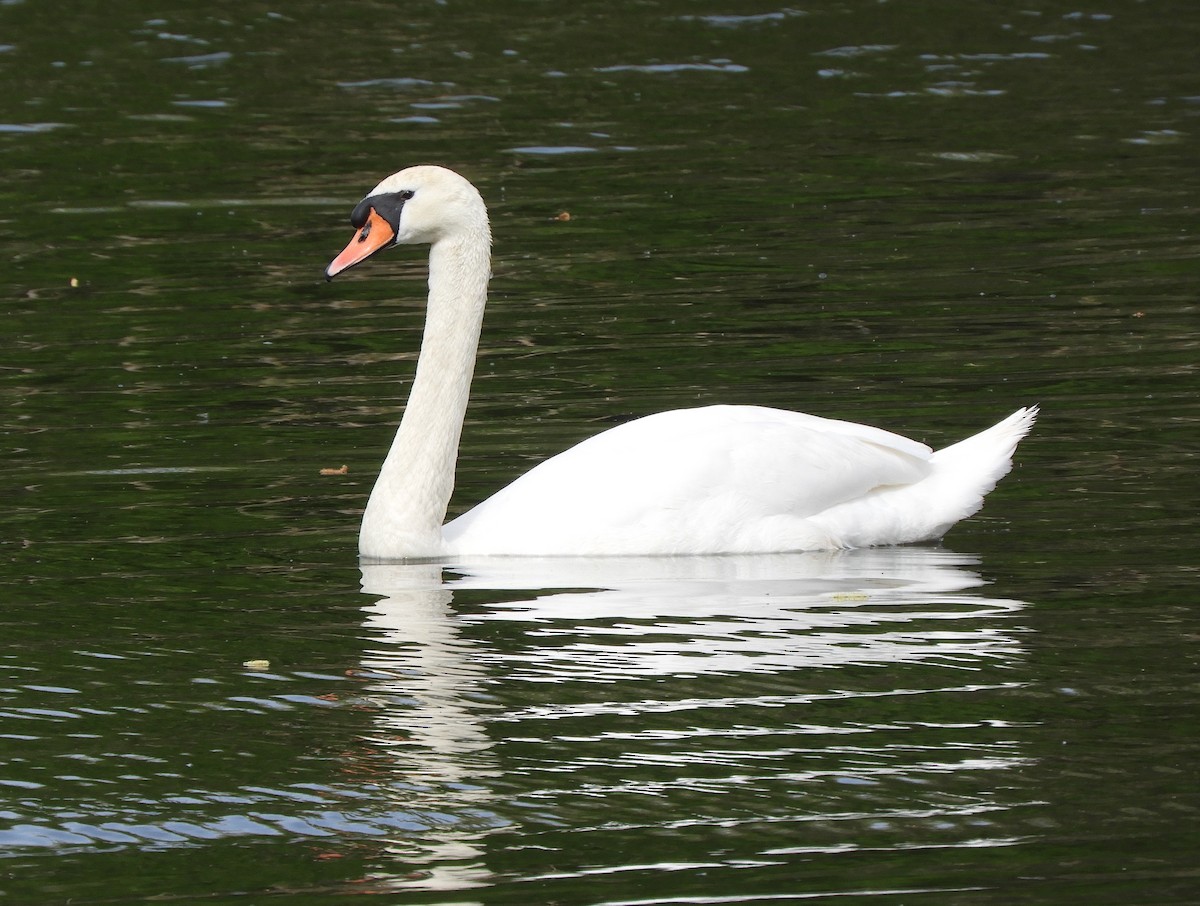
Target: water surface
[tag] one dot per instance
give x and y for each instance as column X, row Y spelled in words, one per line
column 914, row 215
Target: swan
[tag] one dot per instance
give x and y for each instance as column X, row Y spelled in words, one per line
column 711, row 480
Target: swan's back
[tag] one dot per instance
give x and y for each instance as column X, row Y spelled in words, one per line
column 726, row 479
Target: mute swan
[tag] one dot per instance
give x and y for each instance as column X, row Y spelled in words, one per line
column 718, row 479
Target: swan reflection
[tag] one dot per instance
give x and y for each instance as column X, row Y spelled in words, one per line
column 609, row 617
column 487, row 666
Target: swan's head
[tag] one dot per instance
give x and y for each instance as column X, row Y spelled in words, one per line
column 420, row 204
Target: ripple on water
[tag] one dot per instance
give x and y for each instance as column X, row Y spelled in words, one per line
column 671, row 68
column 201, row 60
column 30, row 128
column 307, row 815
column 553, row 150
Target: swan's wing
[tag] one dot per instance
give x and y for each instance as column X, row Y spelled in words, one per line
column 686, row 481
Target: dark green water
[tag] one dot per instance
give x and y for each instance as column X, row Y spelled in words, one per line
column 919, row 215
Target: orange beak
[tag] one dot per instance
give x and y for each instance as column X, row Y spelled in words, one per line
column 375, row 234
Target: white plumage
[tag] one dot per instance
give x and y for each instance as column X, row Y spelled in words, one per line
column 718, row 479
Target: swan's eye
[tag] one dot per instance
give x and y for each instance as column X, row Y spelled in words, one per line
column 405, row 194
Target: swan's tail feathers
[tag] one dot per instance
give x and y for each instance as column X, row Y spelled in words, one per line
column 972, row 467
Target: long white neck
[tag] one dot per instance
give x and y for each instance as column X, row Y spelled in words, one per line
column 404, row 515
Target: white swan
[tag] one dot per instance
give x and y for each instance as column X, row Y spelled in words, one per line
column 719, row 479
